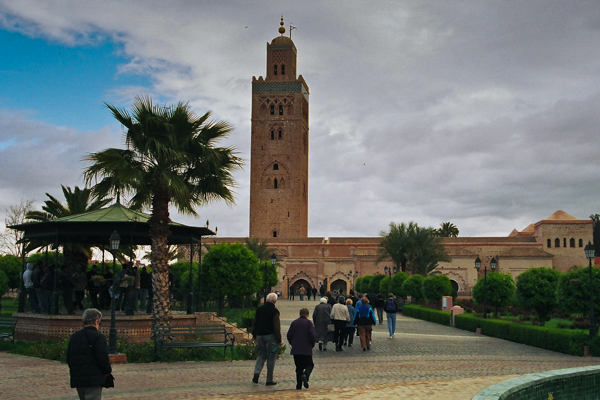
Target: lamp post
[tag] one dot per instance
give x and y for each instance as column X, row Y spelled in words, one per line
column 114, row 241
column 389, row 270
column 493, row 264
column 589, row 254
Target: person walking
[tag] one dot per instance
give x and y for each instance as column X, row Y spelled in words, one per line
column 365, row 319
column 302, row 292
column 350, row 327
column 29, row 289
column 314, row 293
column 266, row 332
column 340, row 317
column 391, row 308
column 87, row 357
column 379, row 306
column 322, row 318
column 302, row 337
column 79, row 282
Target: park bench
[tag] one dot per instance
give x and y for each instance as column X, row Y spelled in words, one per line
column 7, row 329
column 191, row 336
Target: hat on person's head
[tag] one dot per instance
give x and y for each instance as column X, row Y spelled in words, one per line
column 391, row 295
column 323, row 299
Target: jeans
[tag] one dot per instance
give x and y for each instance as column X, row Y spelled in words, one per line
column 391, row 321
column 265, row 344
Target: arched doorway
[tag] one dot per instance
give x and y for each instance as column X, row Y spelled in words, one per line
column 455, row 285
column 339, row 285
column 301, row 283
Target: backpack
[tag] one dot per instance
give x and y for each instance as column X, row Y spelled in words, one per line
column 391, row 306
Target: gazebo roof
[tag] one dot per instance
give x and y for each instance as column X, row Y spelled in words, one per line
column 95, row 227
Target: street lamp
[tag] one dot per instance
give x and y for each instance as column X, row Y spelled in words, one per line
column 114, row 241
column 389, row 271
column 589, row 254
column 493, row 264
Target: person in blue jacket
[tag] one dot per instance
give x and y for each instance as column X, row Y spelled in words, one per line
column 364, row 318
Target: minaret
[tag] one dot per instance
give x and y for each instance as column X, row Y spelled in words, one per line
column 279, row 148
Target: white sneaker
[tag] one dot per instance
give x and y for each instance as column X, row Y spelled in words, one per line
column 391, row 337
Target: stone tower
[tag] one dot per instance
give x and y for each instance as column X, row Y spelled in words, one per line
column 279, row 147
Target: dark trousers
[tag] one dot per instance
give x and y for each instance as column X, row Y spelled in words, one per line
column 68, row 299
column 79, row 295
column 339, row 332
column 349, row 335
column 304, row 366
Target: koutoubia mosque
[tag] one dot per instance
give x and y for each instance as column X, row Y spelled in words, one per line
column 279, row 184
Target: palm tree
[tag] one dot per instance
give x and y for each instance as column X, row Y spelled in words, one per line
column 77, row 201
column 260, row 249
column 427, row 251
column 396, row 244
column 447, row 229
column 170, row 159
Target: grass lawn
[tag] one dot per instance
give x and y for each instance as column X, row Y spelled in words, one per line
column 9, row 306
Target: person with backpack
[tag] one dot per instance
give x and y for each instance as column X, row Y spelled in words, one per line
column 391, row 308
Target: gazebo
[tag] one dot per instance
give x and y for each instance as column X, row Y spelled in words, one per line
column 94, row 229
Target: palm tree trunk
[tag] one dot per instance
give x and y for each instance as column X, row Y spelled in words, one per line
column 159, row 231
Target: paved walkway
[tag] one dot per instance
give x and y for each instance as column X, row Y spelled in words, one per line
column 423, row 361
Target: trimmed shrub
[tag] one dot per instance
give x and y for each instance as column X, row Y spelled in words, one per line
column 496, row 328
column 427, row 314
column 567, row 342
column 467, row 322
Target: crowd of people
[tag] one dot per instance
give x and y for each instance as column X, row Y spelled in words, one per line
column 335, row 319
column 131, row 284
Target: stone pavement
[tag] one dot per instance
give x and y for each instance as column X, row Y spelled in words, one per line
column 423, row 361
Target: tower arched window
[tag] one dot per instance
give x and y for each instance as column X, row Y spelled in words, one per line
column 580, row 242
column 275, row 167
column 572, row 242
column 282, row 69
column 272, row 135
column 564, row 242
column 274, row 233
column 280, row 134
column 280, row 109
column 557, row 242
column 275, row 69
column 272, row 109
column 275, row 183
column 549, row 243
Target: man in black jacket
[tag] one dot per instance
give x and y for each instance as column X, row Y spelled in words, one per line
column 87, row 357
column 266, row 332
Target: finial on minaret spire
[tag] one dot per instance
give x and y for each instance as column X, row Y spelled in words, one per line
column 282, row 27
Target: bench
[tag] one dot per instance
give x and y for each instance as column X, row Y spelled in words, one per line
column 7, row 329
column 191, row 336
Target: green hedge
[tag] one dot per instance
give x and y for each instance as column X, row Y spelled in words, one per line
column 559, row 340
column 427, row 314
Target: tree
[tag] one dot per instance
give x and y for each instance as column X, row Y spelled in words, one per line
column 229, row 270
column 9, row 238
column 260, row 249
column 427, row 251
column 78, row 201
column 574, row 290
column 396, row 284
column 537, row 288
column 362, row 283
column 375, row 283
column 436, row 286
column 395, row 244
column 412, row 247
column 12, row 266
column 413, row 287
column 500, row 290
column 170, row 159
column 447, row 229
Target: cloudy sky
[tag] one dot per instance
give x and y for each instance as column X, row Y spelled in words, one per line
column 485, row 114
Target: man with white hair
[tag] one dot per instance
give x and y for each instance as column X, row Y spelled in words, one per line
column 87, row 356
column 266, row 332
